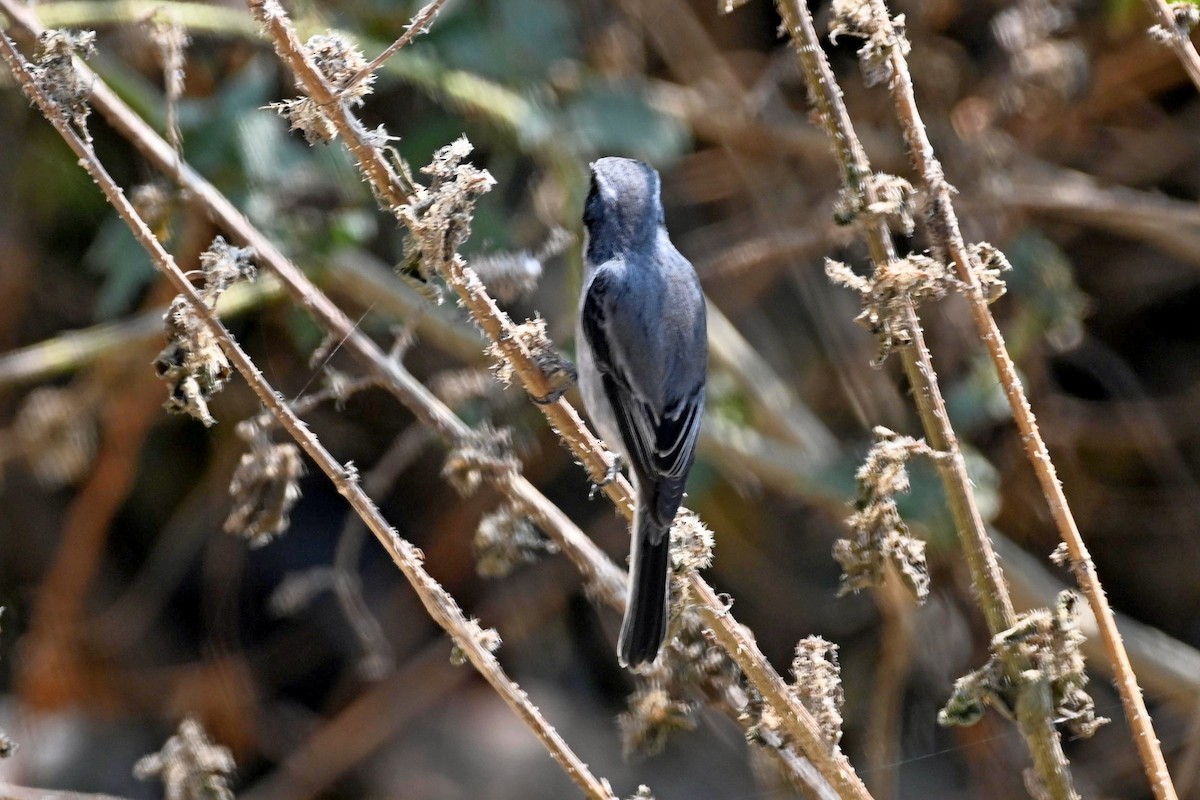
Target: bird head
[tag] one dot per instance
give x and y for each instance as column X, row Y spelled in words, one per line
column 623, row 206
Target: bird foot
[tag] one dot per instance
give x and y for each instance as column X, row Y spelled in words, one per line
column 615, row 465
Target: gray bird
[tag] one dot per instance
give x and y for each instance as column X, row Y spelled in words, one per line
column 642, row 352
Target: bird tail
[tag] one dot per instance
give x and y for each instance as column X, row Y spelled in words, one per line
column 645, row 626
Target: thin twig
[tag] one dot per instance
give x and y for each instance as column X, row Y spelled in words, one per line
column 419, row 25
column 798, row 722
column 606, row 580
column 944, row 230
column 438, row 603
column 1043, row 740
column 1176, row 37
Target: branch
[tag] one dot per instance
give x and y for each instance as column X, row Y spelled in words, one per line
column 944, row 232
column 606, row 580
column 1174, row 32
column 466, row 633
column 389, row 188
column 1039, row 732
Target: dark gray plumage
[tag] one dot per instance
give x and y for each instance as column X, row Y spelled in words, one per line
column 642, row 352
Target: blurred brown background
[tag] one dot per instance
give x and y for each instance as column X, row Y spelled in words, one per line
column 1072, row 139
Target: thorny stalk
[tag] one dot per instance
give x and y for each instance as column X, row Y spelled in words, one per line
column 467, row 634
column 1038, row 730
column 389, row 187
column 944, row 233
column 605, row 579
column 419, row 25
column 1174, row 28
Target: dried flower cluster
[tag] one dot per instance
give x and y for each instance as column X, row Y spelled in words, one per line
column 1046, row 65
column 1185, row 15
column 887, row 293
column 55, row 432
column 989, row 263
column 439, row 216
column 559, row 372
column 860, row 18
column 265, row 486
column 189, row 766
column 652, row 715
column 1049, row 642
column 819, row 684
column 505, row 540
column 192, row 364
column 486, row 454
column 879, row 535
column 55, row 74
column 690, row 672
column 338, row 61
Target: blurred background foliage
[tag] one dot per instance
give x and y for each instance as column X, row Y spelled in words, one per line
column 1071, row 138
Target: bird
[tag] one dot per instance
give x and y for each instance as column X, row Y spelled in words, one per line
column 642, row 361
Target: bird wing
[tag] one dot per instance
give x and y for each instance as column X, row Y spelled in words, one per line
column 659, row 443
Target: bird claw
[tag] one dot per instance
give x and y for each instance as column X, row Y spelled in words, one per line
column 615, row 465
column 552, row 397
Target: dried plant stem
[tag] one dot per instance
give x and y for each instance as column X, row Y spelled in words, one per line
column 1038, row 729
column 436, row 600
column 944, row 231
column 389, row 188
column 420, row 23
column 606, row 580
column 1177, row 39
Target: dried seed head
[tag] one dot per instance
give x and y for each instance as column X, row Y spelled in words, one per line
column 55, row 74
column 850, row 18
column 879, row 535
column 55, row 432
column 223, row 265
column 505, row 540
column 819, row 684
column 882, row 37
column 265, row 487
column 486, row 453
column 338, row 60
column 1049, row 642
column 189, row 766
column 439, row 216
column 192, row 364
column 690, row 673
column 643, row 793
column 652, row 715
column 305, row 115
column 894, row 201
column 532, row 336
column 989, row 263
column 691, row 543
column 887, row 293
